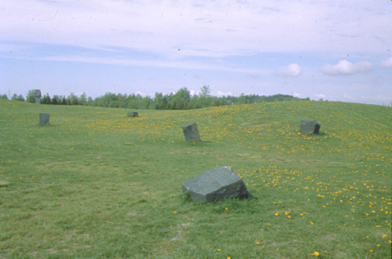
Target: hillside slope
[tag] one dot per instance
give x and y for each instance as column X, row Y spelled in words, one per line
column 96, row 183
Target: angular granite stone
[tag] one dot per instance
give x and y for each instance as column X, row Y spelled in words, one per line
column 43, row 118
column 216, row 184
column 309, row 126
column 133, row 114
column 191, row 132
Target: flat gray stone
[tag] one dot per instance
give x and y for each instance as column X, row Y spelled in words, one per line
column 43, row 118
column 191, row 132
column 309, row 126
column 133, row 114
column 216, row 184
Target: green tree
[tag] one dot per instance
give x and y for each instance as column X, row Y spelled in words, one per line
column 242, row 99
column 17, row 98
column 30, row 97
column 73, row 99
column 82, row 99
column 4, row 96
column 46, row 99
column 205, row 91
column 64, row 101
column 56, row 99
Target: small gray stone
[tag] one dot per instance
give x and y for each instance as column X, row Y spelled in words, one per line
column 37, row 95
column 216, row 184
column 309, row 126
column 133, row 114
column 43, row 118
column 191, row 132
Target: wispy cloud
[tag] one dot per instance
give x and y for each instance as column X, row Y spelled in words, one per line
column 387, row 63
column 345, row 67
column 213, row 28
column 348, row 97
column 292, row 70
column 320, row 96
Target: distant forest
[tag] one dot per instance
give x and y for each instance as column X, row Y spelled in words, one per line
column 180, row 100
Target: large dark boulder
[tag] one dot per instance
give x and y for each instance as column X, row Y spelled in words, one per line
column 309, row 126
column 191, row 132
column 216, row 184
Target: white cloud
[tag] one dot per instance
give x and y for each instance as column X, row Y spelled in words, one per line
column 348, row 97
column 320, row 96
column 387, row 63
column 296, row 95
column 219, row 93
column 192, row 92
column 292, row 70
column 345, row 67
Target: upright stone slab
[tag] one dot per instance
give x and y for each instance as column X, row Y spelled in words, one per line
column 216, row 184
column 133, row 114
column 191, row 132
column 43, row 118
column 309, row 126
column 37, row 96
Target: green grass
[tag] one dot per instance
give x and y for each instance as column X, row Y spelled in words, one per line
column 98, row 184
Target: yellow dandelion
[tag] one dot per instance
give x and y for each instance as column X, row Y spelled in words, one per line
column 277, row 213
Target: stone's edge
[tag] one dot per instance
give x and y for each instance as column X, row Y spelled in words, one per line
column 191, row 132
column 217, row 170
column 199, row 197
column 305, row 126
column 188, row 124
column 241, row 192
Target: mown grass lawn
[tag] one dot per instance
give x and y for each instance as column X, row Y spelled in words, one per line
column 96, row 183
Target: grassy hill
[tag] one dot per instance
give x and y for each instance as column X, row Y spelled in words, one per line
column 96, row 183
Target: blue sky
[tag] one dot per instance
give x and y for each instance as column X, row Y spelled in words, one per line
column 334, row 50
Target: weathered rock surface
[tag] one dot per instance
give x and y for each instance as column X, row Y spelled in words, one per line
column 309, row 126
column 216, row 184
column 37, row 95
column 43, row 118
column 191, row 132
column 133, row 114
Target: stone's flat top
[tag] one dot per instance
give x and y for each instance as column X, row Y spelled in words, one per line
column 188, row 124
column 133, row 114
column 211, row 180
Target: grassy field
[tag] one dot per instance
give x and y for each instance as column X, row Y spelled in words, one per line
column 98, row 184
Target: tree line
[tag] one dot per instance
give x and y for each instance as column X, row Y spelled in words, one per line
column 180, row 100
